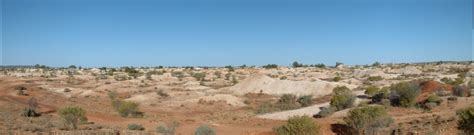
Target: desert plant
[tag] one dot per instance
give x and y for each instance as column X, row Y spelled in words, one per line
column 337, row 79
column 320, row 65
column 454, row 82
column 342, row 98
column 204, row 130
column 376, row 64
column 162, row 93
column 66, row 90
column 288, row 102
column 265, row 107
column 199, row 76
column 305, row 100
column 434, row 99
column 298, row 125
column 128, row 108
column 368, row 119
column 404, row 94
column 296, row 64
column 135, row 127
column 381, row 94
column 466, row 120
column 372, row 90
column 168, row 129
column 30, row 111
column 230, row 68
column 325, row 111
column 72, row 116
column 270, row 66
column 375, row 78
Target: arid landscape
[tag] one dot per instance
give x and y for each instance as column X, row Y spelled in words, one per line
column 415, row 98
column 236, row 67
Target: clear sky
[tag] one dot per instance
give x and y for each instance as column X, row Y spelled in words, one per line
column 233, row 32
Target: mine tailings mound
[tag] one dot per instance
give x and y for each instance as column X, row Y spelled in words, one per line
column 267, row 85
column 432, row 87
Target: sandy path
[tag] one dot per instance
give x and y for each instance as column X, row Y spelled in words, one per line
column 310, row 111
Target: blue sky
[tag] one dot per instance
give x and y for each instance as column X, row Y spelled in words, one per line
column 233, row 32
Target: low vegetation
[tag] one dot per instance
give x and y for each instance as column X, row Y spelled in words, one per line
column 129, row 108
column 30, row 110
column 204, row 130
column 168, row 129
column 299, row 125
column 125, row 108
column 325, row 112
column 199, row 76
column 72, row 116
column 375, row 78
column 372, row 90
column 270, row 66
column 135, row 127
column 404, row 94
column 342, row 98
column 454, row 82
column 305, row 101
column 288, row 102
column 466, row 120
column 368, row 119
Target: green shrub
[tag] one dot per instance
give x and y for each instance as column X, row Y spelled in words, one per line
column 270, row 66
column 128, row 108
column 382, row 94
column 434, row 99
column 265, row 107
column 466, row 120
column 325, row 111
column 368, row 119
column 375, row 78
column 454, row 82
column 342, row 98
column 404, row 94
column 288, row 102
column 199, row 76
column 337, row 79
column 305, row 100
column 168, row 129
column 299, row 125
column 135, row 127
column 72, row 116
column 372, row 90
column 204, row 130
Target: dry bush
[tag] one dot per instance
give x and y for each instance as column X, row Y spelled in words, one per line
column 466, row 120
column 404, row 94
column 342, row 98
column 368, row 119
column 299, row 125
column 73, row 116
